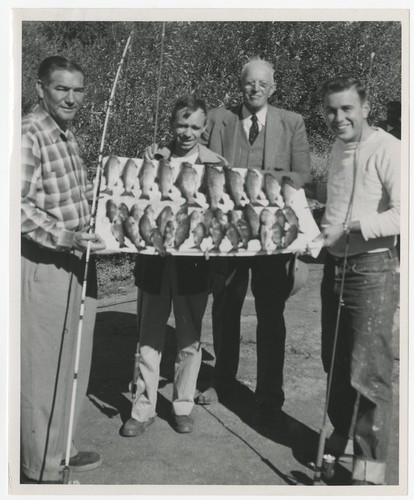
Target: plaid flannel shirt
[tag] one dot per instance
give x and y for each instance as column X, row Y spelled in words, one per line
column 53, row 184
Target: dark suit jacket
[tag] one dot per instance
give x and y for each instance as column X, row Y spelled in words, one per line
column 286, row 143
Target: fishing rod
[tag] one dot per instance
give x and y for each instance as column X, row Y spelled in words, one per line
column 66, row 470
column 157, row 104
column 324, row 430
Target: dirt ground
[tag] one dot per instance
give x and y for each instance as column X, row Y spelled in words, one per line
column 224, row 450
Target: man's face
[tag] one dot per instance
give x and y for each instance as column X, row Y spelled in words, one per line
column 62, row 95
column 257, row 86
column 187, row 130
column 345, row 114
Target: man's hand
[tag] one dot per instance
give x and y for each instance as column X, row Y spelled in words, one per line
column 150, row 152
column 331, row 234
column 81, row 239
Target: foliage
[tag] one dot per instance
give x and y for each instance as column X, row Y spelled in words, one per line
column 206, row 58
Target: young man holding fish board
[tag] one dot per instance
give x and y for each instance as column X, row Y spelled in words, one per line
column 180, row 282
column 54, row 220
column 255, row 135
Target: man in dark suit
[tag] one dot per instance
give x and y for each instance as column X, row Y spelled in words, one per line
column 255, row 135
column 392, row 124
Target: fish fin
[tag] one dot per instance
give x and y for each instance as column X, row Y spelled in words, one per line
column 107, row 191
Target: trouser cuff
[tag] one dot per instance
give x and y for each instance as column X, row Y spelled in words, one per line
column 364, row 470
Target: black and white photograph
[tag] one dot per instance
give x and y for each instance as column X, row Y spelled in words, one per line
column 213, row 225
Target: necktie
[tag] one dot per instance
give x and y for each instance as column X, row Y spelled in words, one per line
column 254, row 129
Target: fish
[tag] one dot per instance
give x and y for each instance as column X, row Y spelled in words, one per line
column 111, row 210
column 199, row 233
column 169, row 233
column 290, row 235
column 277, row 234
column 135, row 212
column 150, row 213
column 288, row 190
column 129, row 177
column 252, row 219
column 182, row 232
column 221, row 216
column 130, row 227
column 181, row 213
column 215, row 186
column 123, row 211
column 118, row 232
column 234, row 186
column 291, row 217
column 271, row 188
column 187, row 182
column 146, row 225
column 253, row 185
column 233, row 236
column 146, row 178
column 111, row 172
column 217, row 234
column 233, row 216
column 267, row 218
column 164, row 216
column 165, row 178
column 208, row 216
column 266, row 240
column 280, row 217
column 157, row 241
column 195, row 218
column 245, row 231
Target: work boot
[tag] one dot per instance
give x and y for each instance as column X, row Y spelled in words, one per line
column 83, row 461
column 133, row 428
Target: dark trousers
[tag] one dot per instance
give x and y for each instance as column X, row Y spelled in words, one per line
column 364, row 356
column 269, row 287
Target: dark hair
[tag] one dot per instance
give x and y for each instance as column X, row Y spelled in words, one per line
column 341, row 83
column 190, row 103
column 52, row 63
column 394, row 105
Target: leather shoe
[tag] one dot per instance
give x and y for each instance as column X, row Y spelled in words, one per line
column 208, row 397
column 183, row 423
column 133, row 428
column 362, row 482
column 83, row 461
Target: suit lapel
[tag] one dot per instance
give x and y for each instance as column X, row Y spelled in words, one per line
column 231, row 125
column 273, row 133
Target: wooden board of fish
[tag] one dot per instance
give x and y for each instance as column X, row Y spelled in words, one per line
column 159, row 207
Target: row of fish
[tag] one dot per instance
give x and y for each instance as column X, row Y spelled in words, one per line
column 252, row 188
column 169, row 230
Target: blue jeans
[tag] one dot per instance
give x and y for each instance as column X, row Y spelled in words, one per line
column 364, row 356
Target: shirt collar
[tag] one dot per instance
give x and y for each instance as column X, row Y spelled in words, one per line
column 50, row 126
column 261, row 115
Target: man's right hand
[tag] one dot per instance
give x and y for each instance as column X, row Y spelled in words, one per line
column 80, row 242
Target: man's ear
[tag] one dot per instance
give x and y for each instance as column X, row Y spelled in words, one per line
column 39, row 89
column 272, row 89
column 365, row 109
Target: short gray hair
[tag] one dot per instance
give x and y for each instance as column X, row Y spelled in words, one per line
column 266, row 64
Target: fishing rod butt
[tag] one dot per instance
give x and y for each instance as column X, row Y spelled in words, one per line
column 67, row 475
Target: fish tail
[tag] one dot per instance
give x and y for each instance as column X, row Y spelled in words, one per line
column 165, row 197
column 144, row 196
column 107, row 191
column 127, row 193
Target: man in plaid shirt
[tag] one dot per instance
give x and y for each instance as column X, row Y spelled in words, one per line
column 54, row 222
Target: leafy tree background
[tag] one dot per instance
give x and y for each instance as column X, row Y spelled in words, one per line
column 206, row 58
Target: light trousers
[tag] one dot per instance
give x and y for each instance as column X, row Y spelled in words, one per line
column 153, row 313
column 51, row 287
